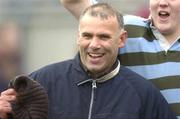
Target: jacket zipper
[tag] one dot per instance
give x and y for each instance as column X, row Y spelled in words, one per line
column 94, row 86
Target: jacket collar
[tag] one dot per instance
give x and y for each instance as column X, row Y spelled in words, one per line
column 81, row 76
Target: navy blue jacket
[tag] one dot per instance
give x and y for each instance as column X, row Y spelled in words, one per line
column 126, row 96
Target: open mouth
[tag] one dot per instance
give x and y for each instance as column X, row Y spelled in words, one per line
column 163, row 14
column 95, row 58
column 95, row 55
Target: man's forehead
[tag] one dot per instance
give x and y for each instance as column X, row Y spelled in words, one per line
column 100, row 15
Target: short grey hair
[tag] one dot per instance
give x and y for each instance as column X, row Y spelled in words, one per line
column 103, row 11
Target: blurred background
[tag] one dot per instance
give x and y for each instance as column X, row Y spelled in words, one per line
column 34, row 33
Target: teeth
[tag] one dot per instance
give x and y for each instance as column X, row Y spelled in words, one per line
column 163, row 13
column 95, row 55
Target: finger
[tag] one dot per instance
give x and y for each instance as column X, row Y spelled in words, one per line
column 8, row 98
column 5, row 107
column 8, row 95
column 9, row 92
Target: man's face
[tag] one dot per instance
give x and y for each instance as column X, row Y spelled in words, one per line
column 98, row 43
column 166, row 16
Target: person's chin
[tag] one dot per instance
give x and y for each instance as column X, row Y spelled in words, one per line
column 163, row 27
column 94, row 68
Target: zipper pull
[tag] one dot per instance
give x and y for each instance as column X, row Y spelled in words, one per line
column 94, row 84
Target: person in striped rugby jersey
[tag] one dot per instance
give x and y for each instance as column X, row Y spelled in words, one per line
column 153, row 46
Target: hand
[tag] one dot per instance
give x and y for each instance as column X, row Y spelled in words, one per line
column 76, row 7
column 6, row 98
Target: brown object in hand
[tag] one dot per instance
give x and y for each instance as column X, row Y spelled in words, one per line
column 32, row 99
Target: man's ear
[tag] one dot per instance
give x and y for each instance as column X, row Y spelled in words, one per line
column 123, row 38
column 78, row 37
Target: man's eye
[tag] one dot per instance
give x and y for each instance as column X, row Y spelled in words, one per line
column 104, row 37
column 87, row 36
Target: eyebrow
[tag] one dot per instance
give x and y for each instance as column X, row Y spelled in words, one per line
column 86, row 33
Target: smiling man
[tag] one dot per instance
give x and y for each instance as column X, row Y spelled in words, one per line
column 94, row 85
column 99, row 40
column 153, row 45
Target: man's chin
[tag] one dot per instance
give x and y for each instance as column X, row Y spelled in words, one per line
column 94, row 69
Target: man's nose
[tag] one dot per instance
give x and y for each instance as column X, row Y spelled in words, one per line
column 95, row 43
column 163, row 2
